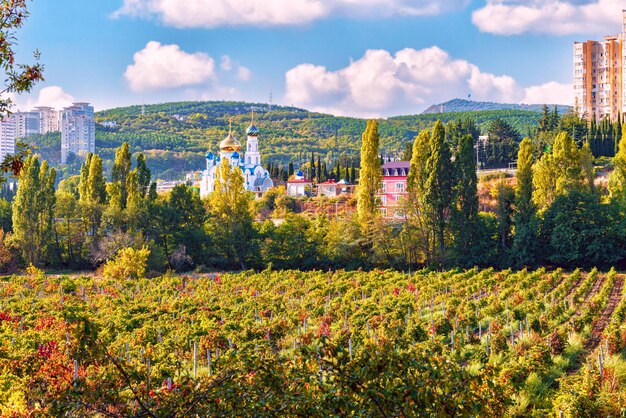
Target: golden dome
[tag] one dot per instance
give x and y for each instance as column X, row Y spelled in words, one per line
column 230, row 144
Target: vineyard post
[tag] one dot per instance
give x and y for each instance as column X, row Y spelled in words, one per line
column 480, row 330
column 148, row 376
column 208, row 360
column 75, row 370
column 195, row 359
column 600, row 364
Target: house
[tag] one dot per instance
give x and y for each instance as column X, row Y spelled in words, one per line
column 393, row 189
column 299, row 186
column 332, row 188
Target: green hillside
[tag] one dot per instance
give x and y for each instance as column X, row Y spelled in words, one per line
column 175, row 146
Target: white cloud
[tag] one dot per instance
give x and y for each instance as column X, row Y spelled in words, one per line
column 557, row 17
column 243, row 73
column 215, row 13
column 381, row 84
column 53, row 96
column 167, row 66
column 227, row 64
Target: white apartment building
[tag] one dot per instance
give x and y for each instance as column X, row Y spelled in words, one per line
column 78, row 130
column 48, row 119
column 8, row 136
column 600, row 76
column 16, row 126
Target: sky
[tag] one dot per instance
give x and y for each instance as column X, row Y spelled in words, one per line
column 366, row 58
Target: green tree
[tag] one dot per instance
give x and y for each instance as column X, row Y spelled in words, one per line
column 504, row 195
column 370, row 176
column 231, row 212
column 92, row 193
column 525, row 220
column 33, row 210
column 177, row 225
column 69, row 234
column 578, row 230
column 558, row 172
column 121, row 170
column 143, row 175
column 617, row 179
column 438, row 189
column 416, row 232
column 465, row 214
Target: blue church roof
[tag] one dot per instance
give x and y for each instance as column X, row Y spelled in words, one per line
column 209, row 155
column 235, row 155
column 252, row 131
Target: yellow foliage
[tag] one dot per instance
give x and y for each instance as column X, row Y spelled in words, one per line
column 128, row 264
column 33, row 271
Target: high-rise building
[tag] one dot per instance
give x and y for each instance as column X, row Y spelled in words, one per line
column 18, row 125
column 8, row 135
column 78, row 130
column 600, row 76
column 48, row 119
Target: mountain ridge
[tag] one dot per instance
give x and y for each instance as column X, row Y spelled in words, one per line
column 463, row 105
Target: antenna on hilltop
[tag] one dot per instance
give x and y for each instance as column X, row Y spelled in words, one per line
column 143, row 109
column 271, row 97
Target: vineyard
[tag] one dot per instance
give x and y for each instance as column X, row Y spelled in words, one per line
column 289, row 343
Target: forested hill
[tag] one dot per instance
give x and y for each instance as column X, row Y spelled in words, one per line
column 461, row 105
column 176, row 136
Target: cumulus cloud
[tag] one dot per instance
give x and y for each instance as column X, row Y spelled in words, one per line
column 382, row 84
column 557, row 17
column 160, row 66
column 215, row 13
column 53, row 96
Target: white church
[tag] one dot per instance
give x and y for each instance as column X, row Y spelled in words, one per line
column 256, row 178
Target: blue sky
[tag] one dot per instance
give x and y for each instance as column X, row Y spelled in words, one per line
column 353, row 57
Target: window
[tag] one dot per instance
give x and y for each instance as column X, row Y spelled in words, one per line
column 400, row 187
column 384, row 187
column 383, row 200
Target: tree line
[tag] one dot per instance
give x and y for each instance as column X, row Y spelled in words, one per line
column 554, row 213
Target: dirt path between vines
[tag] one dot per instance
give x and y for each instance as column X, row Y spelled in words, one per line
column 598, row 325
column 574, row 287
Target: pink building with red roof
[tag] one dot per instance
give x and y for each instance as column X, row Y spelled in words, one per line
column 393, row 191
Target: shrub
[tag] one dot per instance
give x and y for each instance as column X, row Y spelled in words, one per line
column 129, row 264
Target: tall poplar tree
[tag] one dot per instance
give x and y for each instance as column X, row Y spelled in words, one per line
column 33, row 210
column 438, row 189
column 230, row 207
column 525, row 220
column 143, row 175
column 92, row 193
column 370, row 175
column 120, row 171
column 465, row 220
column 419, row 238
